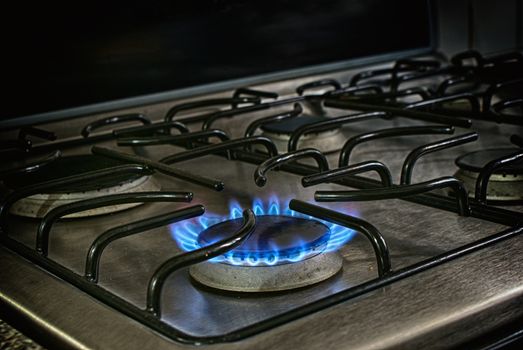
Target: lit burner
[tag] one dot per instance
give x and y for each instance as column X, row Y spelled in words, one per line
column 273, row 241
column 287, row 250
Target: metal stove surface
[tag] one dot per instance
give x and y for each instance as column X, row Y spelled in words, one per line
column 413, row 232
column 437, row 304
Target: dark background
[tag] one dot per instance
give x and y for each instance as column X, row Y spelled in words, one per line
column 61, row 56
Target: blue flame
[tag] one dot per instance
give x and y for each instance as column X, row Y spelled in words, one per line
column 186, row 233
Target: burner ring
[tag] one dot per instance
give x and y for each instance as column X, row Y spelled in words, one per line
column 253, row 279
column 505, row 186
column 276, row 240
column 280, row 133
column 289, row 252
column 38, row 205
column 69, row 166
column 475, row 161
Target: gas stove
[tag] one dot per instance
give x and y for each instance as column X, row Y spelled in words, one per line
column 287, row 236
column 372, row 203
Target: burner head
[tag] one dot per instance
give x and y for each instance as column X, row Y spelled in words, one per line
column 282, row 253
column 505, row 186
column 280, row 133
column 261, row 279
column 475, row 161
column 277, row 239
column 40, row 204
column 69, row 166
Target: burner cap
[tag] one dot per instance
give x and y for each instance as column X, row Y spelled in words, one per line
column 275, row 238
column 288, row 126
column 69, row 166
column 475, row 161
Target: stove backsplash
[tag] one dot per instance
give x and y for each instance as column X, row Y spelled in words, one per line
column 486, row 26
column 108, row 52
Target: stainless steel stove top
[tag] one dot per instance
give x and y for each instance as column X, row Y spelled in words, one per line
column 438, row 293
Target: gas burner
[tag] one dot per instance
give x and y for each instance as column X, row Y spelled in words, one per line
column 269, row 278
column 283, row 252
column 273, row 242
column 280, row 134
column 37, row 206
column 504, row 186
column 287, row 250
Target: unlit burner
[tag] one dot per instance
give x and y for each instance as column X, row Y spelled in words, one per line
column 282, row 253
column 40, row 204
column 280, row 133
column 505, row 186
